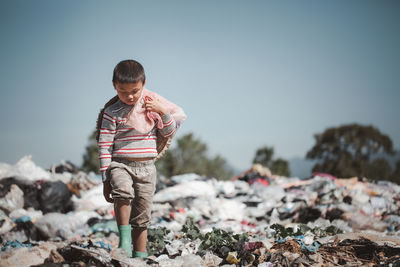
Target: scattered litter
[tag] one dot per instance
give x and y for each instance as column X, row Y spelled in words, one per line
column 60, row 217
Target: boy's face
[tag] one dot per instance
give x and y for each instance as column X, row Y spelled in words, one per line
column 129, row 93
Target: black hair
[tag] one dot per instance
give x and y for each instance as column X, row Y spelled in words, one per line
column 128, row 71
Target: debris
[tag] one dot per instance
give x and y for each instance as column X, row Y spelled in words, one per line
column 15, row 244
column 185, row 189
column 155, row 240
column 29, row 188
column 13, row 200
column 65, row 226
column 266, row 221
column 211, row 260
column 55, row 197
column 26, row 256
column 66, row 166
column 26, row 169
column 6, row 224
column 232, row 258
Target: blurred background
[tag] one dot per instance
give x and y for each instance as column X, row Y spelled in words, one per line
column 299, row 87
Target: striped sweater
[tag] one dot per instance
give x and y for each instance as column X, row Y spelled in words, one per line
column 117, row 139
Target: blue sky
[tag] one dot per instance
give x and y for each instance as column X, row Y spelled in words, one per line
column 247, row 73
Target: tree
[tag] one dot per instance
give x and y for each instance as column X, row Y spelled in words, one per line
column 347, row 151
column 278, row 166
column 264, row 156
column 91, row 156
column 378, row 169
column 190, row 156
column 395, row 177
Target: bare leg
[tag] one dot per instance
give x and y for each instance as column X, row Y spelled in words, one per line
column 139, row 236
column 122, row 209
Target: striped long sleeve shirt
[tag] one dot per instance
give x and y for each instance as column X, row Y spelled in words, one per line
column 117, row 139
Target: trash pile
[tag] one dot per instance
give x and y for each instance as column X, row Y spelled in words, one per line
column 59, row 217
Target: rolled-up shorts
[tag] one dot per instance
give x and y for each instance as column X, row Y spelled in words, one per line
column 136, row 181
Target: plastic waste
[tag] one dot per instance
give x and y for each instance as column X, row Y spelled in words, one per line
column 29, row 188
column 92, row 199
column 210, row 259
column 308, row 214
column 6, row 224
column 205, row 222
column 65, row 226
column 225, row 187
column 24, row 168
column 13, row 200
column 191, row 247
column 55, row 197
column 184, row 190
column 14, row 244
column 64, row 166
column 22, row 219
column 175, row 247
column 232, row 258
column 30, row 212
column 26, row 256
column 378, row 202
column 228, row 209
column 188, row 177
column 105, row 227
column 268, row 193
column 358, row 222
column 192, row 260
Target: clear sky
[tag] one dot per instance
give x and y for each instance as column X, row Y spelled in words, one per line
column 247, row 73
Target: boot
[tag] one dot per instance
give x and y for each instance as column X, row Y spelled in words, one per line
column 125, row 238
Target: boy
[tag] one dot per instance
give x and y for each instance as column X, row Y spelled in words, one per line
column 131, row 125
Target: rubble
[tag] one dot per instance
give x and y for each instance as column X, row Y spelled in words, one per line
column 60, row 218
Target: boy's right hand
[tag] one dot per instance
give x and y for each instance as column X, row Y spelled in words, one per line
column 107, row 191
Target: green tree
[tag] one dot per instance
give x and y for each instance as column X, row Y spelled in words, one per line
column 264, row 156
column 218, row 168
column 379, row 168
column 395, row 177
column 280, row 167
column 91, row 156
column 347, row 151
column 190, row 155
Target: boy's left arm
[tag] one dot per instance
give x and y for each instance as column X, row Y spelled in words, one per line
column 169, row 125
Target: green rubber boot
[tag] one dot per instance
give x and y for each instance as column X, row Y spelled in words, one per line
column 139, row 254
column 125, row 238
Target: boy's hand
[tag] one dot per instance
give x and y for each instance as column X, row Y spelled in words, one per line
column 107, row 191
column 155, row 105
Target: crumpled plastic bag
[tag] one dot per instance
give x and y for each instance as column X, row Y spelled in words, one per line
column 25, row 168
column 13, row 200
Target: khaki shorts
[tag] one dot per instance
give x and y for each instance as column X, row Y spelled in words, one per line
column 136, row 181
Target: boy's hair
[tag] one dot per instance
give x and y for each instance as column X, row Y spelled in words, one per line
column 128, row 71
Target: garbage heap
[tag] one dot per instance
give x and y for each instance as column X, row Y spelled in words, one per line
column 59, row 218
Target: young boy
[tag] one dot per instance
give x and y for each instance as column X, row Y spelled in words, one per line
column 127, row 155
